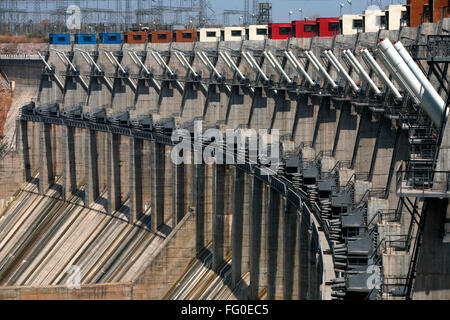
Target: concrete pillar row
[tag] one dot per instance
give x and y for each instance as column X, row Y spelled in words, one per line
column 258, row 233
column 92, row 189
column 46, row 174
column 113, row 172
column 135, row 172
column 68, row 161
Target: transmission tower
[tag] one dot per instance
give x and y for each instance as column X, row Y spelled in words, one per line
column 37, row 11
column 128, row 12
column 118, row 12
column 110, row 12
column 246, row 11
column 228, row 13
column 264, row 13
column 255, row 10
column 12, row 5
column 202, row 19
column 139, row 12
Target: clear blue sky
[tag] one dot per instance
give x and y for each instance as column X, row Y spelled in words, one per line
column 281, row 8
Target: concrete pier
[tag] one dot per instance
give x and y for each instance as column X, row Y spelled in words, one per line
column 26, row 150
column 240, row 225
column 69, row 168
column 178, row 194
column 291, row 251
column 198, row 198
column 46, row 178
column 222, row 215
column 275, row 246
column 113, row 173
column 305, row 264
column 346, row 133
column 136, row 206
column 92, row 188
column 157, row 186
column 258, row 235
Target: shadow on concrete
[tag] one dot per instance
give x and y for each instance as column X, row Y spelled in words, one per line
column 79, row 194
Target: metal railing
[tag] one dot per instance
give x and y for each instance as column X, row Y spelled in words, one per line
column 394, row 286
column 383, row 216
column 388, row 215
column 423, row 180
column 341, row 164
column 437, row 47
column 372, row 193
column 397, row 243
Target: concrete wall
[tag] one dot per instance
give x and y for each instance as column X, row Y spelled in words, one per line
column 433, row 269
column 106, row 291
column 23, row 72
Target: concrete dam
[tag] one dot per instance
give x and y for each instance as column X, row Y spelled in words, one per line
column 356, row 207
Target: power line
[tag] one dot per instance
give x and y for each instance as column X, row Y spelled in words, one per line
column 108, row 11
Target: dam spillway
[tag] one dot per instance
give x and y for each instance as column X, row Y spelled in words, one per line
column 358, row 174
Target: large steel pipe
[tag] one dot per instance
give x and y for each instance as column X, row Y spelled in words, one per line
column 431, row 98
column 428, row 102
column 296, row 64
column 332, row 61
column 280, row 68
column 253, row 64
column 338, row 66
column 316, row 63
column 360, row 70
column 401, row 82
column 313, row 63
column 372, row 64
